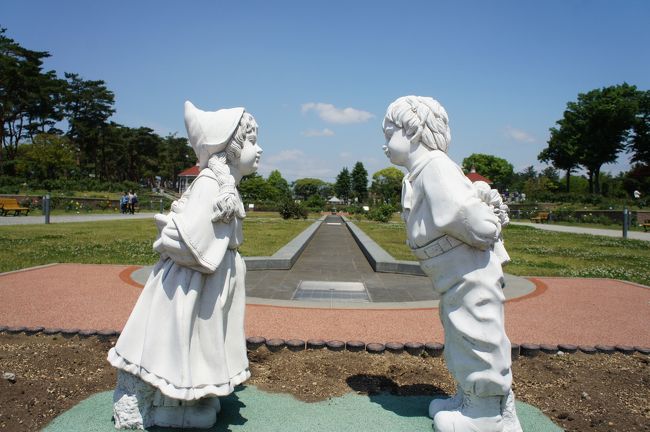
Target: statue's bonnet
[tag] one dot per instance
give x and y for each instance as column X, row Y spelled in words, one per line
column 210, row 131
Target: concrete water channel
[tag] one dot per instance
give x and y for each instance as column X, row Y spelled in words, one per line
column 331, row 264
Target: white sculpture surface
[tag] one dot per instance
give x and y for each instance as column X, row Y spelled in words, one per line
column 184, row 345
column 454, row 229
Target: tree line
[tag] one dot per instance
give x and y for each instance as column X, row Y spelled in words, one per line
column 36, row 104
column 596, row 128
column 59, row 128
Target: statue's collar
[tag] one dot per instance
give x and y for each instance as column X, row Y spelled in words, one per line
column 423, row 161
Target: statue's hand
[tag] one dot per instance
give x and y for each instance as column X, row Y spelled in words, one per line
column 171, row 245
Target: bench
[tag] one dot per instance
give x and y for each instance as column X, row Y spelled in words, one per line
column 11, row 205
column 541, row 217
column 645, row 226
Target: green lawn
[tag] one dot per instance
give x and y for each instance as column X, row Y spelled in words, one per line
column 545, row 253
column 120, row 241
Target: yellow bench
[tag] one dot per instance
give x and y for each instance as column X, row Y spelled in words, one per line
column 11, row 205
column 645, row 226
column 540, row 218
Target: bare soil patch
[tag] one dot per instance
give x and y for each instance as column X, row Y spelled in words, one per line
column 578, row 392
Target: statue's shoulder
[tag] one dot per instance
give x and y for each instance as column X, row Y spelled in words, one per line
column 207, row 172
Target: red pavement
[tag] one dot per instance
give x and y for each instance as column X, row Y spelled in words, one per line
column 562, row 310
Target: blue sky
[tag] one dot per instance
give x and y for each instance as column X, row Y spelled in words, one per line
column 504, row 70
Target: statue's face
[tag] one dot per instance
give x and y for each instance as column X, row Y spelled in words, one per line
column 250, row 155
column 398, row 145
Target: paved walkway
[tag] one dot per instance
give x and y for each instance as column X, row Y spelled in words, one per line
column 35, row 220
column 554, row 310
column 561, row 310
column 634, row 235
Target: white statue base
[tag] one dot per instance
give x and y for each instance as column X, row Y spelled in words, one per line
column 138, row 405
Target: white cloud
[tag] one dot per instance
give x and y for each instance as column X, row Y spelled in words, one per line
column 345, row 155
column 294, row 164
column 519, row 135
column 331, row 114
column 284, row 156
column 318, row 133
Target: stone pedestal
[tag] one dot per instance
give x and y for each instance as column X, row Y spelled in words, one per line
column 138, row 405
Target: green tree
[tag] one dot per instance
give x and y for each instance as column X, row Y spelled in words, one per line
column 498, row 170
column 563, row 151
column 315, row 203
column 387, row 185
column 88, row 106
column 175, row 156
column 639, row 143
column 360, row 182
column 47, row 157
column 343, row 185
column 276, row 181
column 598, row 125
column 30, row 99
column 254, row 188
column 305, row 187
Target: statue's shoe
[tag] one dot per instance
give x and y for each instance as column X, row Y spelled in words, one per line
column 475, row 414
column 510, row 420
column 446, row 404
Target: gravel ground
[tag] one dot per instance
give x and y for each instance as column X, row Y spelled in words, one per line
column 600, row 392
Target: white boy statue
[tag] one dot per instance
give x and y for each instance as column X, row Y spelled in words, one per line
column 452, row 231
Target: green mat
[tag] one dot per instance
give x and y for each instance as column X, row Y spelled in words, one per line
column 250, row 409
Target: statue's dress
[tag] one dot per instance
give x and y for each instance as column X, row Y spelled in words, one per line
column 185, row 335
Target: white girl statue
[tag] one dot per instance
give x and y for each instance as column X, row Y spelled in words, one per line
column 453, row 233
column 184, row 344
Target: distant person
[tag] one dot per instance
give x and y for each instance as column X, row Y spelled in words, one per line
column 134, row 202
column 124, row 202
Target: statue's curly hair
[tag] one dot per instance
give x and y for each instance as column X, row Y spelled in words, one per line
column 422, row 118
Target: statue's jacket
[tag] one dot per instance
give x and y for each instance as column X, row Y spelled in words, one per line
column 438, row 200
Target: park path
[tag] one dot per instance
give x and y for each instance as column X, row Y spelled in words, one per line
column 618, row 233
column 36, row 220
column 333, row 255
column 561, row 310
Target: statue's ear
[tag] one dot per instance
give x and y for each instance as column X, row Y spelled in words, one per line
column 415, row 138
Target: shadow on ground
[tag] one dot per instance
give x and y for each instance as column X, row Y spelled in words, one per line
column 250, row 409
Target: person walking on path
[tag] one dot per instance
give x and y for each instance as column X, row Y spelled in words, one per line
column 124, row 203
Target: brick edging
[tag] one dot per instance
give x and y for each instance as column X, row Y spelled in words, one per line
column 432, row 349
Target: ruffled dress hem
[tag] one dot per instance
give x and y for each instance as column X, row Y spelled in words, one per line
column 171, row 390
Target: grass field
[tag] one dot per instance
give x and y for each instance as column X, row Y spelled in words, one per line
column 121, row 241
column 544, row 253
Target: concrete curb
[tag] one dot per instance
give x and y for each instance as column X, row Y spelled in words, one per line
column 433, row 349
column 287, row 256
column 380, row 260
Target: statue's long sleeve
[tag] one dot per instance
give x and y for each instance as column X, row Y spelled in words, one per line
column 454, row 206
